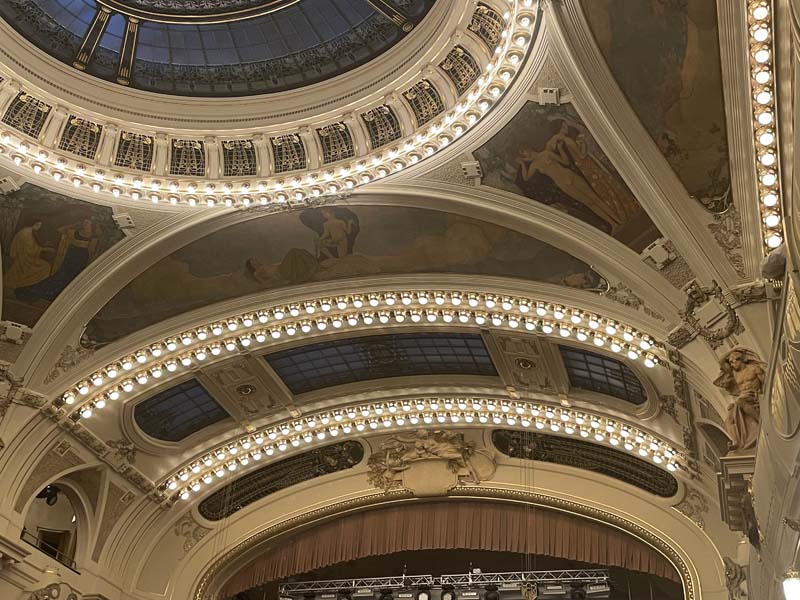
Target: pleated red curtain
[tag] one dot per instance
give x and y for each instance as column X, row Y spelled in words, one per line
column 468, row 525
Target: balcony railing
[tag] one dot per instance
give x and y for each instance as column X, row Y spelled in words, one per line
column 33, row 540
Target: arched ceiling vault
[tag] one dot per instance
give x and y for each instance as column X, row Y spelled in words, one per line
column 495, row 201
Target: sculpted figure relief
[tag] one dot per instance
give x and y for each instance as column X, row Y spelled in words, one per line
column 390, row 467
column 742, row 376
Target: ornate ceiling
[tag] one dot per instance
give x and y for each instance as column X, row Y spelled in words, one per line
column 476, row 219
column 214, row 48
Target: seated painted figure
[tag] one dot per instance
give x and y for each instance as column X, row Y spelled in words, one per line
column 77, row 247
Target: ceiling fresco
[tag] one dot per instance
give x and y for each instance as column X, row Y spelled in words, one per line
column 324, row 244
column 47, row 239
column 546, row 153
column 680, row 102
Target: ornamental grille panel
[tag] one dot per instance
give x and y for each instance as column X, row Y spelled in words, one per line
column 135, row 151
column 337, row 143
column 81, row 137
column 620, row 465
column 488, row 25
column 239, row 158
column 188, row 158
column 289, row 153
column 278, row 476
column 425, row 101
column 382, row 125
column 461, row 68
column 27, row 114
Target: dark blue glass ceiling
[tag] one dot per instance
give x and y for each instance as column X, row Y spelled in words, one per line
column 318, row 366
column 602, row 374
column 297, row 44
column 178, row 412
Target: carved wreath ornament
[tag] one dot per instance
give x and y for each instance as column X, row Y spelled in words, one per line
column 698, row 296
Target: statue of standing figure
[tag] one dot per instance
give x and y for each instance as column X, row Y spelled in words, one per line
column 742, row 375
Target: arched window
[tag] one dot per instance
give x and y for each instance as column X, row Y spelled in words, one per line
column 178, row 412
column 602, row 374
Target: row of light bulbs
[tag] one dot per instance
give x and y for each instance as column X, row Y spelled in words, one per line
column 424, row 412
column 762, row 80
column 244, row 331
column 301, row 188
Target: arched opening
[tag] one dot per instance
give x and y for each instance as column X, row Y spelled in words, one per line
column 51, row 524
column 456, row 536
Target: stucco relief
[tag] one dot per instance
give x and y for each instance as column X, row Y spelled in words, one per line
column 742, row 375
column 191, row 532
column 694, row 506
column 429, row 463
column 70, row 357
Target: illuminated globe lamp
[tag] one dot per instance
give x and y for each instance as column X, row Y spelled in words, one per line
column 791, row 585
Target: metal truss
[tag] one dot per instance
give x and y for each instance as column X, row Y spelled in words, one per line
column 457, row 581
column 484, row 579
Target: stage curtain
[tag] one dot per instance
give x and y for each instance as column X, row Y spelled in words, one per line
column 468, row 525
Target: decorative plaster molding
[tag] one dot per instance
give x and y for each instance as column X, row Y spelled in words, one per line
column 693, row 506
column 624, row 295
column 697, row 296
column 727, row 231
column 124, row 450
column 735, row 579
column 191, row 532
column 70, row 357
column 428, row 463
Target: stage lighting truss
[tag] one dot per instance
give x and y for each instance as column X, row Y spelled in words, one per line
column 520, row 585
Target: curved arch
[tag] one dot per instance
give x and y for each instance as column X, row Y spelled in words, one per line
column 263, row 326
column 599, row 499
column 455, row 523
column 109, row 274
column 84, row 517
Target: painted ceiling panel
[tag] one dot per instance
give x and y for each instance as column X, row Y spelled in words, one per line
column 546, row 153
column 339, row 362
column 47, row 239
column 665, row 56
column 285, row 249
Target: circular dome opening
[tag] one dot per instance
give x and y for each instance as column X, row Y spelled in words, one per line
column 216, row 48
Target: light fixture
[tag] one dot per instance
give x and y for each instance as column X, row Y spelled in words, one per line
column 791, row 585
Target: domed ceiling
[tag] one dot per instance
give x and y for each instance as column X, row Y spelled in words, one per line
column 215, row 47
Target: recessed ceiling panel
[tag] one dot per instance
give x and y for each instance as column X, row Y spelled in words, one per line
column 338, row 362
column 178, row 412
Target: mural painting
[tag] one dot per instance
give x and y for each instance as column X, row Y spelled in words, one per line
column 547, row 154
column 665, row 56
column 329, row 243
column 47, row 239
